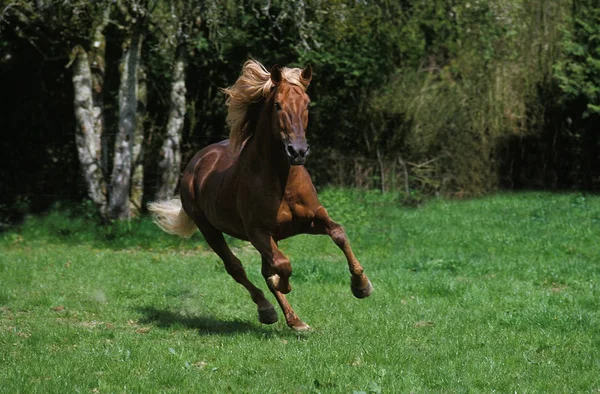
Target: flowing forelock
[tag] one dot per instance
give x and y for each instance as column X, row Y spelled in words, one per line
column 254, row 84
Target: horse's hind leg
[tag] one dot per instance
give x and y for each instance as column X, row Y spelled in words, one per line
column 215, row 239
column 360, row 285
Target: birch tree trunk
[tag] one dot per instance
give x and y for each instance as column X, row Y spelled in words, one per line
column 88, row 84
column 118, row 207
column 137, row 177
column 170, row 153
column 97, row 55
column 88, row 135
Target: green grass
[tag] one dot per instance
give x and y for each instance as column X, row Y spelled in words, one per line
column 494, row 294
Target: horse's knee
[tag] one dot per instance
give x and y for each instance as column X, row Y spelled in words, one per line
column 282, row 266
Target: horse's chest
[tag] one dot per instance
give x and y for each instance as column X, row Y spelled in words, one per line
column 294, row 214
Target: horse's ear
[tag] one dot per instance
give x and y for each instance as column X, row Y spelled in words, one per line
column 276, row 75
column 307, row 74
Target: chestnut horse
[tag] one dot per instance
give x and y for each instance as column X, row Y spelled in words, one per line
column 254, row 186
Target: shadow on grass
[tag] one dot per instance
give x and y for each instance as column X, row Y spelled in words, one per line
column 206, row 325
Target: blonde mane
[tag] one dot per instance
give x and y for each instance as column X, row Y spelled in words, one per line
column 254, row 84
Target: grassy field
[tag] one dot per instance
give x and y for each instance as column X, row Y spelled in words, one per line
column 494, row 294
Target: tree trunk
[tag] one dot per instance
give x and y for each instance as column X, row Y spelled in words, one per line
column 122, row 160
column 405, row 172
column 137, row 178
column 170, row 153
column 88, row 133
column 88, row 84
column 381, row 170
column 97, row 56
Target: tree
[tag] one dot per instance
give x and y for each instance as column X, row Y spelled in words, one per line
column 81, row 26
column 179, row 22
column 76, row 29
column 135, row 16
column 88, row 60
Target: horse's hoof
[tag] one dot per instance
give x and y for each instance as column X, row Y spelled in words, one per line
column 267, row 316
column 364, row 292
column 300, row 327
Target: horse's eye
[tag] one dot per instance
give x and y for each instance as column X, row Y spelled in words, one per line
column 277, row 105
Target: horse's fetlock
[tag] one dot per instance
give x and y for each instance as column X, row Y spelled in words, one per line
column 358, row 272
column 273, row 281
column 259, row 298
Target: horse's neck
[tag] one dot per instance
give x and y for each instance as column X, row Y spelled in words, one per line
column 266, row 154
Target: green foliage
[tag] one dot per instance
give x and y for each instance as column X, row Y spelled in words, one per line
column 561, row 146
column 493, row 294
column 454, row 97
column 471, row 89
column 579, row 72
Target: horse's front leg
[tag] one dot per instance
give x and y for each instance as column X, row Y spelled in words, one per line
column 276, row 266
column 292, row 320
column 276, row 269
column 359, row 283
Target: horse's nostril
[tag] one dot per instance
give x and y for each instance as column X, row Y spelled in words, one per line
column 292, row 152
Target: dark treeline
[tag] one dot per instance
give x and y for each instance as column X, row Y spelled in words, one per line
column 110, row 98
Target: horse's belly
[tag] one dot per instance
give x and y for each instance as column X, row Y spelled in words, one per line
column 217, row 200
column 223, row 216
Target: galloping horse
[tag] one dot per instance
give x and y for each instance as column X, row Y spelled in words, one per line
column 254, row 186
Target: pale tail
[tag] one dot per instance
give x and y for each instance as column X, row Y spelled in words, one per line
column 170, row 216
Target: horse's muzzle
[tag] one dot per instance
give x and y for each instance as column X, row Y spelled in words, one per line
column 297, row 153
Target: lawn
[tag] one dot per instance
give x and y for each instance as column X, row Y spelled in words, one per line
column 493, row 294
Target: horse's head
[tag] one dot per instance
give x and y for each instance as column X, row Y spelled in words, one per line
column 290, row 114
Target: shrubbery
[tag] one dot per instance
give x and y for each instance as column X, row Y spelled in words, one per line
column 440, row 97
